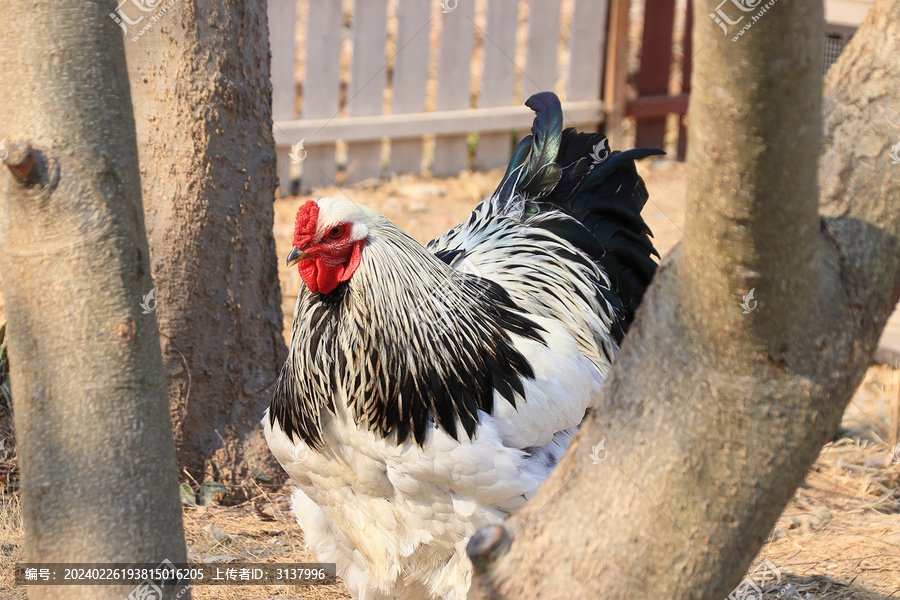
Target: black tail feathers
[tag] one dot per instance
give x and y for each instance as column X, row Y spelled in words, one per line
column 577, row 173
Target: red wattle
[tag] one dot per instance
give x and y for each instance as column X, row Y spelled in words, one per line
column 355, row 259
column 322, row 279
column 308, row 269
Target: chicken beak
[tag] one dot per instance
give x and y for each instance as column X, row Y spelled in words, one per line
column 295, row 256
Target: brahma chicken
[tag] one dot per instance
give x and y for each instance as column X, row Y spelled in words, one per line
column 429, row 390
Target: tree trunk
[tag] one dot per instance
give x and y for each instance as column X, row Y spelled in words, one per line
column 95, row 442
column 711, row 417
column 202, row 105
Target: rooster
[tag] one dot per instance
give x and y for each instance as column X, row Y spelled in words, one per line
column 429, row 390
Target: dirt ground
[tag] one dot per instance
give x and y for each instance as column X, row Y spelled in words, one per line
column 838, row 538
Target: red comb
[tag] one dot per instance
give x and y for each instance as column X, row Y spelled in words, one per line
column 305, row 227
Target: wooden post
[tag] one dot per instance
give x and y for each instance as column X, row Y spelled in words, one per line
column 616, row 70
column 321, row 88
column 454, row 71
column 409, row 79
column 586, row 55
column 543, row 43
column 686, row 76
column 498, row 80
column 367, row 80
column 282, row 21
column 656, row 66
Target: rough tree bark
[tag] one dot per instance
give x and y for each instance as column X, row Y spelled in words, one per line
column 95, row 441
column 202, row 105
column 712, row 417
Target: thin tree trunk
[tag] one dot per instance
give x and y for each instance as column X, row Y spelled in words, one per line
column 202, row 105
column 711, row 417
column 94, row 436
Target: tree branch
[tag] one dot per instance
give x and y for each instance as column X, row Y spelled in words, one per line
column 712, row 417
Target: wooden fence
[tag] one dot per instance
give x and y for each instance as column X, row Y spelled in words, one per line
column 663, row 83
column 381, row 79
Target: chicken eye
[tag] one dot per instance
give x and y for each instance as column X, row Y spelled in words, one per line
column 336, row 232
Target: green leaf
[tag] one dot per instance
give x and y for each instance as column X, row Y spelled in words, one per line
column 187, row 494
column 214, row 487
column 259, row 474
column 215, row 469
column 207, row 489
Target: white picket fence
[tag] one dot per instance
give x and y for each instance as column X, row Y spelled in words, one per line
column 382, row 76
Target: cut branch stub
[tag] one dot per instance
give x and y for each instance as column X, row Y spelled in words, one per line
column 487, row 545
column 484, row 549
column 21, row 163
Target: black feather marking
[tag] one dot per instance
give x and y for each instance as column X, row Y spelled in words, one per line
column 505, row 392
column 293, row 406
column 441, row 403
column 448, row 256
column 392, row 395
column 394, row 422
column 419, row 419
